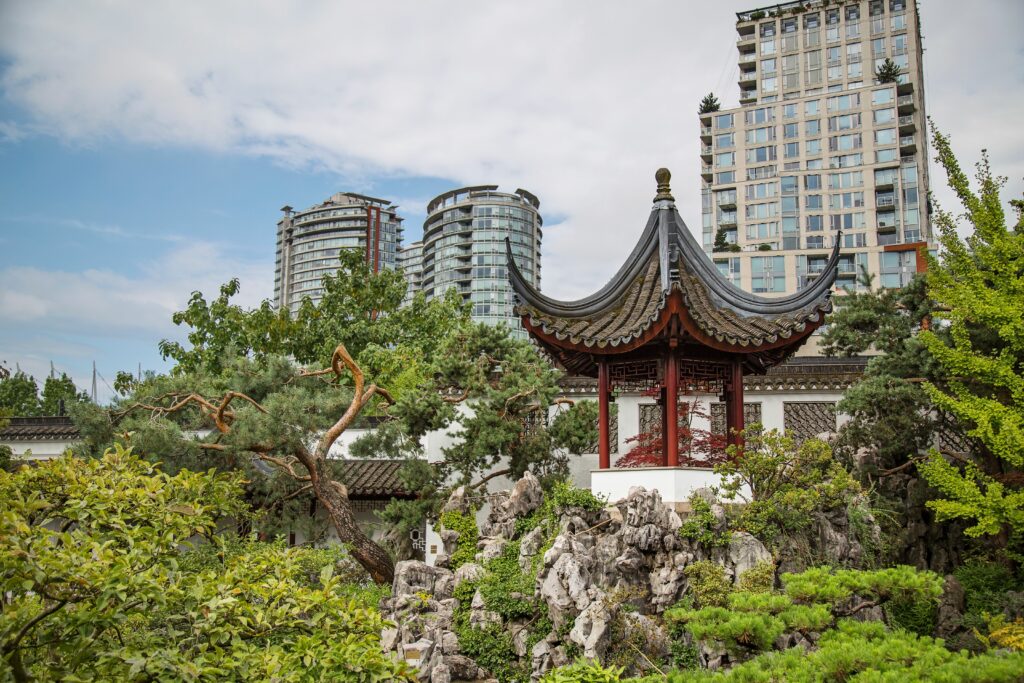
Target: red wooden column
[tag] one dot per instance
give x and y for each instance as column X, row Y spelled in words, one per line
column 603, row 397
column 672, row 409
column 734, row 405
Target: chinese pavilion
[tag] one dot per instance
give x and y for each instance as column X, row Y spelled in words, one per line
column 670, row 322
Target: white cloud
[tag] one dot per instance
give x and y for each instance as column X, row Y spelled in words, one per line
column 105, row 315
column 577, row 102
column 104, row 302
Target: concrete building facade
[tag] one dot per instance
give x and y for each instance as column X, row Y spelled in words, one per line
column 410, row 261
column 308, row 242
column 464, row 248
column 819, row 146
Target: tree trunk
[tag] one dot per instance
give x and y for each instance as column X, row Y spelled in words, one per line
column 371, row 556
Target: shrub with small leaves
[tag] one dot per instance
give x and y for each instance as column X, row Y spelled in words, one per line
column 758, row 579
column 708, row 583
column 465, row 525
column 701, row 527
column 583, row 671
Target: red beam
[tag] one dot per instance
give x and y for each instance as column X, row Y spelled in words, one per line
column 672, row 410
column 734, row 405
column 603, row 443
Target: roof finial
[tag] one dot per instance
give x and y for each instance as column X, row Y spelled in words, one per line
column 663, row 176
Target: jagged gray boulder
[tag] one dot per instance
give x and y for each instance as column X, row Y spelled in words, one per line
column 413, row 577
column 745, row 552
column 592, row 629
column 603, row 580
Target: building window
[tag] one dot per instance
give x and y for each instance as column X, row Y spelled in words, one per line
column 761, row 154
column 812, row 181
column 723, row 121
column 814, row 146
column 725, row 140
column 844, row 102
column 725, row 177
column 730, row 269
column 791, row 150
column 760, row 135
column 884, row 115
column 847, row 221
column 812, row 127
column 760, row 115
column 725, row 159
column 885, row 96
column 886, row 136
column 812, row 201
column 768, row 273
column 812, row 107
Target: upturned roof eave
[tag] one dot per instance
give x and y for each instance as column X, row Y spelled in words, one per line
column 600, row 300
column 667, row 234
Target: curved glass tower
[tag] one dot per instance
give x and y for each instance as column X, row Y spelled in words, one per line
column 464, row 248
column 308, row 242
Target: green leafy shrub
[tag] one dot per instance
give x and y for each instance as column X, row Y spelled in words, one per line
column 748, row 623
column 866, row 652
column 138, row 607
column 505, row 587
column 583, row 671
column 708, row 583
column 787, row 484
column 701, row 527
column 465, row 525
column 916, row 616
column 758, row 579
column 831, row 586
column 491, row 648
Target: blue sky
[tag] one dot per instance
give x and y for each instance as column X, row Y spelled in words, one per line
column 146, row 148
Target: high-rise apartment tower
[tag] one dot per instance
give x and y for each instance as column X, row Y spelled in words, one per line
column 410, row 260
column 819, row 145
column 464, row 248
column 308, row 242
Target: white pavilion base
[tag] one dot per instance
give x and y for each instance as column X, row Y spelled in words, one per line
column 675, row 484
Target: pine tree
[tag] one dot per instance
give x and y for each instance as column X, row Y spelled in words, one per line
column 888, row 72
column 709, row 104
column 721, row 243
column 978, row 287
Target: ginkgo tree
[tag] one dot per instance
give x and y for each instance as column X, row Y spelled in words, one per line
column 977, row 284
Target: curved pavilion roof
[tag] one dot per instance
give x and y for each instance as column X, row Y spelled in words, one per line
column 669, row 288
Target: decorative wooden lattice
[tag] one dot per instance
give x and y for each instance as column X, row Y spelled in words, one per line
column 613, row 434
column 807, row 419
column 751, row 415
column 533, row 421
column 952, row 438
column 650, row 418
column 695, row 375
column 638, row 375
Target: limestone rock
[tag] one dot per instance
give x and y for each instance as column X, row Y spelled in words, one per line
column 951, row 608
column 458, row 501
column 449, row 643
column 745, row 552
column 529, row 546
column 591, row 630
column 564, row 589
column 490, row 548
column 413, row 577
column 470, row 571
column 526, row 496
